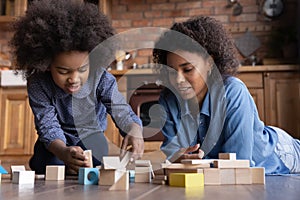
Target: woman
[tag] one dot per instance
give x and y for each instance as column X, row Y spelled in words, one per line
column 206, row 110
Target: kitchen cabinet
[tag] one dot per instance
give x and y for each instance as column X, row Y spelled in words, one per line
column 282, row 93
column 276, row 92
column 11, row 9
column 16, row 126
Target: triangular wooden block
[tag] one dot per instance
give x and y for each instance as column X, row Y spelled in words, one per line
column 126, row 159
column 2, row 170
column 122, row 183
column 111, row 162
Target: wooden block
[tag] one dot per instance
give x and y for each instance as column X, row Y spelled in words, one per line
column 17, row 168
column 23, row 177
column 231, row 163
column 197, row 161
column 243, row 176
column 160, row 179
column 39, row 176
column 55, row 172
column 159, row 182
column 89, row 155
column 110, row 176
column 187, row 166
column 122, row 183
column 227, row 176
column 143, row 163
column 139, row 170
column 186, row 180
column 165, row 164
column 258, row 175
column 126, row 159
column 212, row 176
column 227, row 156
column 142, row 178
column 88, row 176
column 180, row 170
column 111, row 162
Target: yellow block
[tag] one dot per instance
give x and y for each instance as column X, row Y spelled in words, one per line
column 186, row 179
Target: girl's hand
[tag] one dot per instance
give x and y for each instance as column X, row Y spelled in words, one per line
column 72, row 156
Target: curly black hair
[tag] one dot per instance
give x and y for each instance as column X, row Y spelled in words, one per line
column 50, row 27
column 206, row 36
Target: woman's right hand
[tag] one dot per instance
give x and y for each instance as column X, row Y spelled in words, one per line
column 189, row 153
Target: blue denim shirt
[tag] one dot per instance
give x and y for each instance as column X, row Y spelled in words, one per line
column 243, row 132
column 59, row 115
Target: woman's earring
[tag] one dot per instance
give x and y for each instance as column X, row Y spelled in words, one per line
column 209, row 72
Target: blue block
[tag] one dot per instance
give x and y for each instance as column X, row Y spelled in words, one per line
column 2, row 170
column 131, row 176
column 88, row 176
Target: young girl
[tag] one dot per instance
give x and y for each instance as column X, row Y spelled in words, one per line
column 206, row 110
column 70, row 93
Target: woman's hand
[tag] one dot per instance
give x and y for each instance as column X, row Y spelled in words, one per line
column 72, row 156
column 188, row 153
column 134, row 139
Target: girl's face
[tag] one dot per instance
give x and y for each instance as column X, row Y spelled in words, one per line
column 188, row 74
column 70, row 70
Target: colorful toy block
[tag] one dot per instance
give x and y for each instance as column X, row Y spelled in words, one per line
column 186, row 180
column 88, row 176
column 2, row 171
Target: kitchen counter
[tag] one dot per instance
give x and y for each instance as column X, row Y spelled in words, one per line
column 8, row 78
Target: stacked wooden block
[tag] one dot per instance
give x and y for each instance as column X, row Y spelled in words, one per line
column 143, row 171
column 113, row 173
column 228, row 170
column 225, row 170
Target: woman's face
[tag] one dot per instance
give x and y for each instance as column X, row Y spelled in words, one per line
column 70, row 70
column 188, row 74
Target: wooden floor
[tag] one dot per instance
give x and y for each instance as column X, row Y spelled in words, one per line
column 276, row 187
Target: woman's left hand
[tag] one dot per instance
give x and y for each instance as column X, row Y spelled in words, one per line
column 134, row 139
